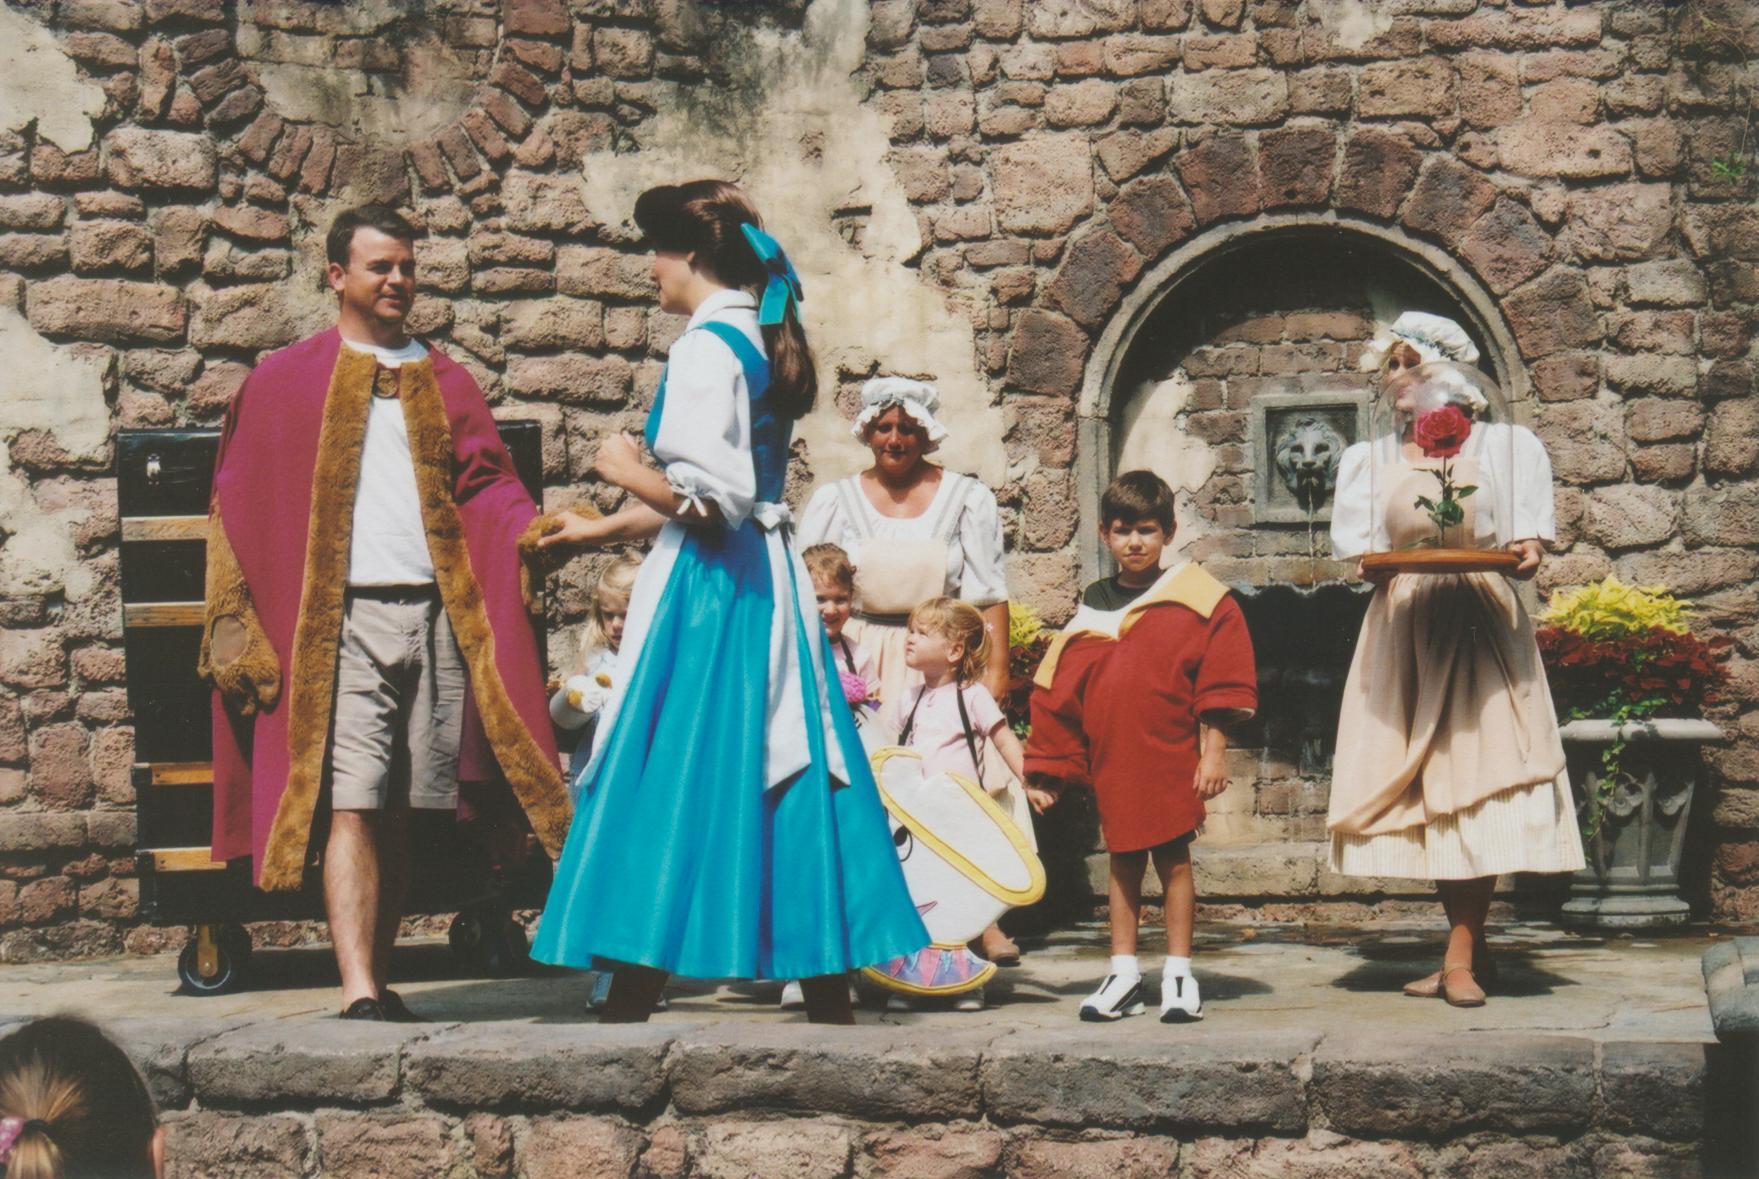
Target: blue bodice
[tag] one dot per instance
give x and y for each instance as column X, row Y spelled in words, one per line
column 770, row 431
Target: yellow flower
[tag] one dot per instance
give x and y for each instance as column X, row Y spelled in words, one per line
column 1024, row 624
column 1610, row 609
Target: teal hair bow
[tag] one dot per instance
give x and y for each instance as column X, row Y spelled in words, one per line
column 783, row 285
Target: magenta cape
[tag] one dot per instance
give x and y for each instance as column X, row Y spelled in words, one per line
column 283, row 501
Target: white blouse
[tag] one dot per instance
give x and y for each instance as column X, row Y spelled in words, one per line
column 1514, row 504
column 704, row 443
column 704, row 437
column 974, row 549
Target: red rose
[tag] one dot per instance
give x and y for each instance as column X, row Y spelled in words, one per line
column 1441, row 432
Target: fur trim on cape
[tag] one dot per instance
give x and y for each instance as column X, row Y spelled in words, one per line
column 251, row 681
column 536, row 782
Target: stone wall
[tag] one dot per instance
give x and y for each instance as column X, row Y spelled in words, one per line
column 731, row 1101
column 972, row 188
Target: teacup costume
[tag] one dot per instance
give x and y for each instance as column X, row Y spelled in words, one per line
column 1449, row 765
column 954, row 548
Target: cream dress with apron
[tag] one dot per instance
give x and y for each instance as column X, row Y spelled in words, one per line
column 953, row 549
column 1449, row 765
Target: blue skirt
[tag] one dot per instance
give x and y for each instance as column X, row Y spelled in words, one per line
column 678, row 857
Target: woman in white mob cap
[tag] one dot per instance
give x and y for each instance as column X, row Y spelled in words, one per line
column 914, row 530
column 1449, row 766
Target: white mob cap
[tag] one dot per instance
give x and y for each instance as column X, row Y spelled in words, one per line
column 1434, row 337
column 918, row 399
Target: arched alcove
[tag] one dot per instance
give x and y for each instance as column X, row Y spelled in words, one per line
column 1250, row 333
column 1202, row 295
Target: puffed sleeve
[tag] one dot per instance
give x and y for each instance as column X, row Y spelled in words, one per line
column 1352, row 503
column 983, row 710
column 1534, row 515
column 821, row 521
column 1227, row 677
column 704, row 439
column 982, row 581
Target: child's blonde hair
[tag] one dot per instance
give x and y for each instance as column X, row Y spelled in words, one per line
column 957, row 622
column 614, row 583
column 830, row 563
column 84, row 1109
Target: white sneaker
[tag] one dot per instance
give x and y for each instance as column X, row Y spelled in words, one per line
column 899, row 1003
column 1180, row 1001
column 970, row 1001
column 793, row 998
column 1119, row 995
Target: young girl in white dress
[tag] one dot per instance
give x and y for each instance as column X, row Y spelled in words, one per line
column 576, row 705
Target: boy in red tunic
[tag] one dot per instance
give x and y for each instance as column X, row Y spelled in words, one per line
column 1132, row 699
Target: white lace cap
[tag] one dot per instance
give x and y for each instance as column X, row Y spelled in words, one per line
column 1433, row 337
column 918, row 399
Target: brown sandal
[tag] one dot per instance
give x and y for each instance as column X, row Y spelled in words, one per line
column 1429, row 986
column 998, row 947
column 1461, row 996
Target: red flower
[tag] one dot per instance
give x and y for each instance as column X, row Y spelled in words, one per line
column 1441, row 432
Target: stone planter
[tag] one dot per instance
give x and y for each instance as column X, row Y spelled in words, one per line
column 1633, row 872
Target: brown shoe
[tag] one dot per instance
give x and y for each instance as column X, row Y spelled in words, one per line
column 1459, row 993
column 1429, row 986
column 998, row 947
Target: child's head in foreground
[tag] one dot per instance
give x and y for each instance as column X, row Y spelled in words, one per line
column 73, row 1105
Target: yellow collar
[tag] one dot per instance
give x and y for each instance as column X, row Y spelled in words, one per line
column 1188, row 585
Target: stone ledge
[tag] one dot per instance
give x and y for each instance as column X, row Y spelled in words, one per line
column 1204, row 1079
column 1731, row 983
column 516, row 1065
column 865, row 1072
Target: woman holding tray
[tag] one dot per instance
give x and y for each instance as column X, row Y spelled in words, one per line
column 1449, row 766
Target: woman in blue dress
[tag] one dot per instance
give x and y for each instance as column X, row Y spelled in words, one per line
column 728, row 825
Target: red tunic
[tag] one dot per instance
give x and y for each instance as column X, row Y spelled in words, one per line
column 1121, row 715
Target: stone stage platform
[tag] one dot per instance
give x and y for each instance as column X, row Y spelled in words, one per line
column 1595, row 1058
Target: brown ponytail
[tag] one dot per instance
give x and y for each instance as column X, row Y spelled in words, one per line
column 703, row 217
column 793, row 368
column 86, row 1111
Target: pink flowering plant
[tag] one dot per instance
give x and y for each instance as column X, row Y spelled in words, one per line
column 855, row 689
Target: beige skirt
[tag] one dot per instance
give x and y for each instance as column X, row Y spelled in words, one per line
column 1524, row 829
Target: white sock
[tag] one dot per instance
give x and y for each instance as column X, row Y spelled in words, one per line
column 1178, row 966
column 1125, row 966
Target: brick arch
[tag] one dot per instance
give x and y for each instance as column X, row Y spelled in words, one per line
column 1120, row 337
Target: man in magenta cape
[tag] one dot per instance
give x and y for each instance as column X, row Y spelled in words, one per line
column 280, row 526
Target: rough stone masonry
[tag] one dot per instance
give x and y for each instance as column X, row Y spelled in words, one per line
column 971, row 188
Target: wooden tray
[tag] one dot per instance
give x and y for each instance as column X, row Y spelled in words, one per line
column 1442, row 561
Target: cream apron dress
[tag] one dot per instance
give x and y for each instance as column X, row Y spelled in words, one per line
column 954, row 548
column 1449, row 765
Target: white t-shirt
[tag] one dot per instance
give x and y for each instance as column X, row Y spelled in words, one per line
column 390, row 543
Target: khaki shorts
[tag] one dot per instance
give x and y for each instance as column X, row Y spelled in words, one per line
column 400, row 687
